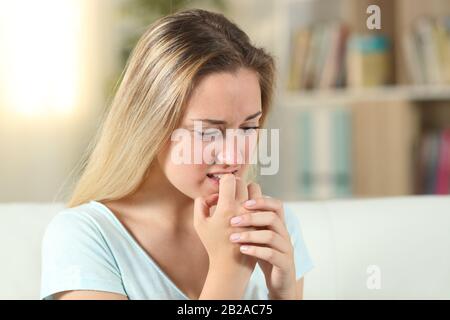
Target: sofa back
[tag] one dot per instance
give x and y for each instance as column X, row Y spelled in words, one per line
column 386, row 248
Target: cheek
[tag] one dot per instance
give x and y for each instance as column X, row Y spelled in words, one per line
column 185, row 176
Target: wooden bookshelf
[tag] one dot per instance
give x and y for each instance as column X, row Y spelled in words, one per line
column 345, row 96
column 388, row 122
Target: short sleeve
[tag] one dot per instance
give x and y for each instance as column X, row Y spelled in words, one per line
column 75, row 256
column 302, row 259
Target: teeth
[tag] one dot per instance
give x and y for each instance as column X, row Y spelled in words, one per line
column 218, row 175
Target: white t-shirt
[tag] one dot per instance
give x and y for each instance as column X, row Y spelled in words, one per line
column 87, row 248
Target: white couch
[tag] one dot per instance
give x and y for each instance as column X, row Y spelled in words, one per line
column 386, row 248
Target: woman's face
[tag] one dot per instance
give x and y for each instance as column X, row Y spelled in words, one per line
column 205, row 146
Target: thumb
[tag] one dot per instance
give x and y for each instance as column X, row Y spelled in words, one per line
column 202, row 206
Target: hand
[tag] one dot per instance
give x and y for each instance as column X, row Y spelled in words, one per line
column 214, row 230
column 270, row 244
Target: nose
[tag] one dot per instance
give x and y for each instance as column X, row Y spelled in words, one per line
column 230, row 154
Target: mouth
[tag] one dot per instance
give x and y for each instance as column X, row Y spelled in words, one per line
column 216, row 176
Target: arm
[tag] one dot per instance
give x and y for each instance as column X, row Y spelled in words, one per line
column 229, row 271
column 299, row 289
column 217, row 286
column 225, row 283
column 88, row 295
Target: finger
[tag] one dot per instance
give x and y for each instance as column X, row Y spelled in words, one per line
column 227, row 190
column 211, row 200
column 201, row 210
column 270, row 255
column 265, row 237
column 268, row 219
column 202, row 206
column 241, row 190
column 266, row 204
column 254, row 191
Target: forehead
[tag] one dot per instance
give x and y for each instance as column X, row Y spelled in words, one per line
column 226, row 96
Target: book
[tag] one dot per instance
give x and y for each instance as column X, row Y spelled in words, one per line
column 426, row 48
column 301, row 40
column 318, row 56
column 443, row 164
column 324, row 153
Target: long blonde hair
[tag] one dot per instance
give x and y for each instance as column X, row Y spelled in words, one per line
column 168, row 60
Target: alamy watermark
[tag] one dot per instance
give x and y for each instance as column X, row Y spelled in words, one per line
column 212, row 146
column 374, row 279
column 374, row 20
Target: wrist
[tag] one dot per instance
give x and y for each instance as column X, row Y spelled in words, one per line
column 285, row 295
column 225, row 281
column 230, row 269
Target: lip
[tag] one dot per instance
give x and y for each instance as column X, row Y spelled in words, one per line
column 216, row 179
column 223, row 172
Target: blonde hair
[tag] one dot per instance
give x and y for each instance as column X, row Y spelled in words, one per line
column 171, row 56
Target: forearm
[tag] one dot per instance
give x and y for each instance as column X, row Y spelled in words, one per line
column 294, row 294
column 225, row 283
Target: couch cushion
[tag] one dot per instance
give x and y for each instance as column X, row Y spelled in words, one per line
column 406, row 239
column 21, row 229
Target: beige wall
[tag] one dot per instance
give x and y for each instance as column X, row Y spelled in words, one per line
column 38, row 152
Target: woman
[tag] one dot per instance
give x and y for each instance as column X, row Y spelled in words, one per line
column 141, row 226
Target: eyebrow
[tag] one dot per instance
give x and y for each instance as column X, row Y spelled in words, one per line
column 213, row 121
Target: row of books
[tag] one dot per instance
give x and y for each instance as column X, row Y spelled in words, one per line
column 434, row 163
column 318, row 56
column 427, row 51
column 327, row 55
column 369, row 150
column 324, row 153
column 366, row 150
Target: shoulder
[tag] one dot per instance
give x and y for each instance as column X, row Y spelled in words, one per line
column 83, row 222
column 77, row 254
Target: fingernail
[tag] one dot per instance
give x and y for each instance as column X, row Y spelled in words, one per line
column 244, row 248
column 236, row 220
column 250, row 203
column 234, row 236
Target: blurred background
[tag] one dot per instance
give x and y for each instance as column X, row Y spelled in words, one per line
column 362, row 112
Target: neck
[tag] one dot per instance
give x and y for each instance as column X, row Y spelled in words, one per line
column 157, row 197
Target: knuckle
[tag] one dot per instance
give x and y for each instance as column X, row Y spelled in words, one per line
column 291, row 249
column 278, row 202
column 227, row 204
column 227, row 207
column 271, row 236
column 252, row 217
column 272, row 217
column 269, row 255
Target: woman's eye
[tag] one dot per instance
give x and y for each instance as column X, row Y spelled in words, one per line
column 249, row 130
column 208, row 133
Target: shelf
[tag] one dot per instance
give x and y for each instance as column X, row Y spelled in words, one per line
column 345, row 97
